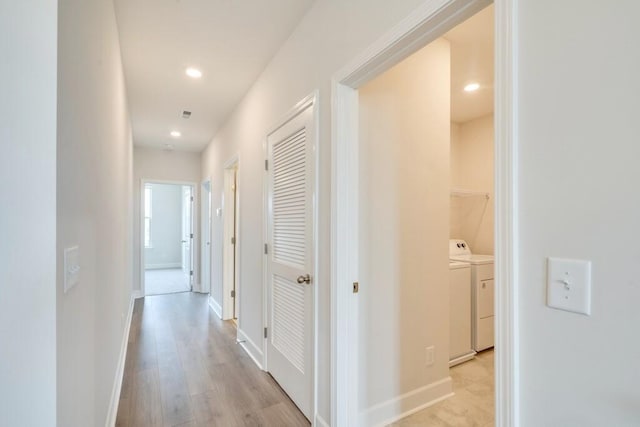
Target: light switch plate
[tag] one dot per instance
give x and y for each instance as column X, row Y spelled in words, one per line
column 569, row 285
column 71, row 267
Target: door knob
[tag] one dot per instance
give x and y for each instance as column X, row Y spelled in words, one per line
column 304, row 279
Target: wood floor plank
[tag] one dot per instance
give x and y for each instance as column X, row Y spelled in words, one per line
column 184, row 369
column 146, row 406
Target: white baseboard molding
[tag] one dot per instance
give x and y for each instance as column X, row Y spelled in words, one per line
column 404, row 405
column 117, row 382
column 251, row 348
column 215, row 307
column 136, row 294
column 169, row 265
column 320, row 422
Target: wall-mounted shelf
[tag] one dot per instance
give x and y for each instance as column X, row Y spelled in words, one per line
column 458, row 192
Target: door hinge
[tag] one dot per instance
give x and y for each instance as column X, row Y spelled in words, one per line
column 265, row 332
column 191, row 273
column 192, row 198
column 266, row 249
column 191, row 235
column 266, row 164
column 233, row 240
column 233, row 293
column 356, row 287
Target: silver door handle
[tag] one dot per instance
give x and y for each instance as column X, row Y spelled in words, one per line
column 304, row 279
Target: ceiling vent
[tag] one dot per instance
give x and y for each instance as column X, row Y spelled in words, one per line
column 186, row 114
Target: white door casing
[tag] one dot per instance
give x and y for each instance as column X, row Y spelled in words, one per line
column 427, row 22
column 205, row 275
column 236, row 245
column 187, row 233
column 231, row 227
column 290, row 256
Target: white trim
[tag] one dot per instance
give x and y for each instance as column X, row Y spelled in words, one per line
column 117, row 383
column 215, row 307
column 251, row 348
column 205, row 225
column 195, row 265
column 233, row 164
column 507, row 355
column 320, row 422
column 426, row 23
column 309, row 101
column 137, row 294
column 167, row 266
column 416, row 400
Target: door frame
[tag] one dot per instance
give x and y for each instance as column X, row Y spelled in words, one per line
column 206, row 233
column 227, row 248
column 311, row 100
column 425, row 24
column 194, row 241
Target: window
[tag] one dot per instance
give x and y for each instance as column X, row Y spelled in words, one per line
column 147, row 216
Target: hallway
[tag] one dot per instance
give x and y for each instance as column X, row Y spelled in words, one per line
column 184, row 368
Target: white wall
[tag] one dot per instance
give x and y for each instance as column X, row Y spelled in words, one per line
column 94, row 209
column 28, row 213
column 472, row 169
column 166, row 227
column 403, row 236
column 162, row 165
column 578, row 169
column 329, row 36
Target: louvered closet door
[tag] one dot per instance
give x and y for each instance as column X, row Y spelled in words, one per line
column 290, row 258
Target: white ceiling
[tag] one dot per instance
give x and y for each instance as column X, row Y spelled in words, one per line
column 231, row 41
column 472, row 61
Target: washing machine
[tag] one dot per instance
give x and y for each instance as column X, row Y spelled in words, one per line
column 482, row 293
column 460, row 313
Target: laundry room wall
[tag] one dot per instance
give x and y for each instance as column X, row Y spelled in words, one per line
column 403, row 236
column 472, row 169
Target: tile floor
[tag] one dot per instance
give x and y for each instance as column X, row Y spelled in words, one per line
column 473, row 402
column 165, row 281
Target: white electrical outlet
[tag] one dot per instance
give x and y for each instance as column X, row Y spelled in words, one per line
column 430, row 355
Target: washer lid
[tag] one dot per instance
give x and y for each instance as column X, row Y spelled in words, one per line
column 473, row 259
column 456, row 265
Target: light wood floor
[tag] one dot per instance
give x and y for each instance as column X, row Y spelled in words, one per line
column 184, row 368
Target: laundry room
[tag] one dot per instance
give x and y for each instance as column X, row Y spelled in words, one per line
column 426, row 233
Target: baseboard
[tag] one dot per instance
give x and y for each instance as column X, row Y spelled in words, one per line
column 169, row 265
column 117, row 383
column 251, row 348
column 320, row 422
column 215, row 307
column 404, row 405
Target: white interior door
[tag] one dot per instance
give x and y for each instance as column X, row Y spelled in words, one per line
column 290, row 258
column 187, row 233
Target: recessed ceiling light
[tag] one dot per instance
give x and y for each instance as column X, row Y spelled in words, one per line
column 194, row 73
column 471, row 87
column 175, row 134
